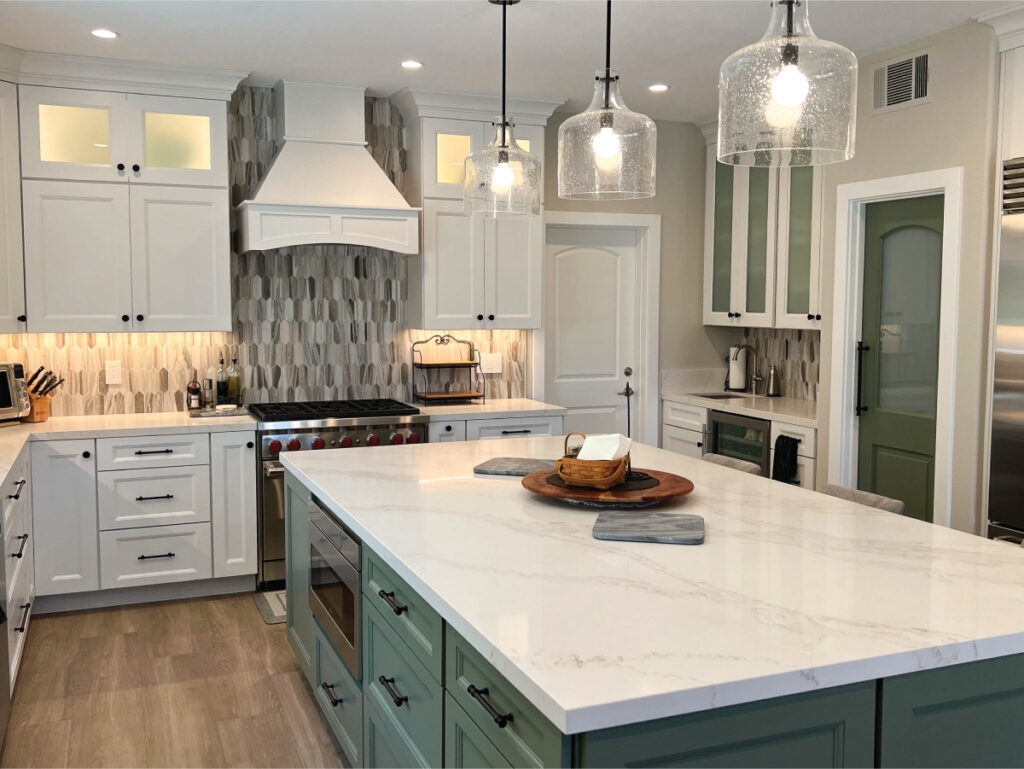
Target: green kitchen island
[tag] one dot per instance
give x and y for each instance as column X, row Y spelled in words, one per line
column 806, row 631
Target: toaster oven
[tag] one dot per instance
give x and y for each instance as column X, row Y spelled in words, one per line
column 14, row 402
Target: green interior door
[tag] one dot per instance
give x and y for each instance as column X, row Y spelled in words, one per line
column 899, row 370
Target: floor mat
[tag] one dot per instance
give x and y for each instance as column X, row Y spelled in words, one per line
column 272, row 606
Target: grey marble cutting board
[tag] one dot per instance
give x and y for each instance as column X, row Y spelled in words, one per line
column 647, row 526
column 519, row 466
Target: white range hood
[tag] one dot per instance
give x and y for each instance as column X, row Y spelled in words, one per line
column 324, row 186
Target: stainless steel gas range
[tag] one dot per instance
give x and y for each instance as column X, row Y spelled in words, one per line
column 314, row 426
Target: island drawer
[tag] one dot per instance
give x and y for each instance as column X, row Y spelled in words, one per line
column 18, row 547
column 385, row 746
column 401, row 689
column 14, row 491
column 465, row 745
column 806, row 435
column 154, row 497
column 152, row 451
column 411, row 617
column 684, row 415
column 527, row 738
column 340, row 699
column 525, row 427
column 155, row 554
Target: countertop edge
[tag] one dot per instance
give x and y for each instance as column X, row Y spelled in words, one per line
column 736, row 407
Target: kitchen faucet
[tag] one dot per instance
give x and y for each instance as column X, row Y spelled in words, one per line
column 752, row 379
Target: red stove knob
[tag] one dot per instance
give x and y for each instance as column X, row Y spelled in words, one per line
column 274, row 447
column 294, row 445
column 318, row 443
column 396, row 439
column 345, row 442
column 373, row 440
column 412, row 438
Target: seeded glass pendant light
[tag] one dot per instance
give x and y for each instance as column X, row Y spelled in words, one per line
column 789, row 99
column 607, row 152
column 502, row 179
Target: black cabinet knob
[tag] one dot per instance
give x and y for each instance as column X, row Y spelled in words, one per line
column 126, row 318
column 249, row 445
column 120, row 166
column 817, row 317
column 810, row 316
column 490, row 317
column 22, row 318
column 735, row 314
column 447, row 428
column 140, row 317
column 479, row 317
column 136, row 168
column 86, row 454
column 729, row 313
column 700, row 444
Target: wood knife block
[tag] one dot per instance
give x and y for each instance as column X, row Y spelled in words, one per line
column 39, row 410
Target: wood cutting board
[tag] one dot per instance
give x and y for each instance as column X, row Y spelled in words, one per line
column 669, row 486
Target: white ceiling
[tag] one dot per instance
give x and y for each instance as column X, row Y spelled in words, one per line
column 554, row 45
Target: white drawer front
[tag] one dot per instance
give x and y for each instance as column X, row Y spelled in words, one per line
column 805, row 467
column 806, row 435
column 684, row 416
column 154, row 555
column 446, row 432
column 152, row 451
column 687, row 442
column 157, row 497
column 485, row 429
column 14, row 491
column 18, row 549
column 19, row 614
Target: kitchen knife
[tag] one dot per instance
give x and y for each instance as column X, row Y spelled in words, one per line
column 53, row 386
column 38, row 388
column 32, row 378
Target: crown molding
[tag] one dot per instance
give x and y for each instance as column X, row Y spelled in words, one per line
column 1008, row 22
column 97, row 74
column 472, row 106
column 710, row 131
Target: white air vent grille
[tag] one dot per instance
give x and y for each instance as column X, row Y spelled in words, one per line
column 901, row 83
column 1013, row 186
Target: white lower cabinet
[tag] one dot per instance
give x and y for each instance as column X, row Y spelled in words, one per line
column 233, row 483
column 18, row 544
column 446, row 432
column 804, row 471
column 513, row 427
column 64, row 516
column 155, row 555
column 136, row 451
column 687, row 442
column 19, row 615
column 156, row 497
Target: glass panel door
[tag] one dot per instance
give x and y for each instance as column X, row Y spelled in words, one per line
column 178, row 141
column 721, row 278
column 798, row 288
column 740, row 438
column 446, row 143
column 758, row 212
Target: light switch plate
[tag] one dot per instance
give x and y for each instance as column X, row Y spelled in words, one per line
column 490, row 363
column 112, row 370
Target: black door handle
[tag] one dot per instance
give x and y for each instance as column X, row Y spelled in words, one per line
column 126, row 318
column 141, row 452
column 479, row 317
column 24, row 617
column 516, row 432
column 86, row 454
column 387, row 683
column 147, row 499
column 120, row 166
column 861, row 349
column 140, row 317
column 22, row 318
column 21, row 550
column 136, row 168
column 162, row 555
column 480, row 695
column 17, row 495
column 329, row 691
column 389, row 599
column 817, row 317
column 249, row 445
column 490, row 317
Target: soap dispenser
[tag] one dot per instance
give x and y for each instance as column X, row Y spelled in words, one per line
column 774, row 386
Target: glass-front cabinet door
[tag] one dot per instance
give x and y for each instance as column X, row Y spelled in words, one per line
column 446, row 143
column 798, row 286
column 178, row 141
column 71, row 134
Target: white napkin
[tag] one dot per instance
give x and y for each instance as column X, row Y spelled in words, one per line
column 612, row 446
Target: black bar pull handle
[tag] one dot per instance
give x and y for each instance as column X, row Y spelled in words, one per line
column 24, row 618
column 21, row 550
column 389, row 599
column 142, row 453
column 861, row 349
column 147, row 499
column 162, row 555
column 516, row 432
column 17, row 495
column 388, row 684
column 480, row 695
column 329, row 691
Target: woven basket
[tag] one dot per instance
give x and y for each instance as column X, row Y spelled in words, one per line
column 601, row 474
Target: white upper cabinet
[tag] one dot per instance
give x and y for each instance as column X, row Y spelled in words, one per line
column 450, row 271
column 117, row 137
column 12, row 279
column 180, row 259
column 513, row 262
column 78, row 266
column 445, row 145
column 798, row 270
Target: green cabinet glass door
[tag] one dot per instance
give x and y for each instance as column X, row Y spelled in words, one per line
column 798, row 286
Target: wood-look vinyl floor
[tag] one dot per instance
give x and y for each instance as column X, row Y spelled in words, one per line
column 197, row 683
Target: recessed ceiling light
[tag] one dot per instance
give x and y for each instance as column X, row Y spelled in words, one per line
column 411, row 64
column 657, row 88
column 106, row 34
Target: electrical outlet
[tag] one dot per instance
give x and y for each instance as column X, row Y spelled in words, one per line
column 490, row 363
column 112, row 370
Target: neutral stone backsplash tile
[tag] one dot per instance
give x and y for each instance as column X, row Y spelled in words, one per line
column 311, row 322
column 796, row 354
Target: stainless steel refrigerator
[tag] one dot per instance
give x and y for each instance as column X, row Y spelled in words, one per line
column 1006, row 476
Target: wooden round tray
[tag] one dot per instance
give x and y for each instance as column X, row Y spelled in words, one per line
column 669, row 486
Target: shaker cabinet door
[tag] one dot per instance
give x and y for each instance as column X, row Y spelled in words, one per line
column 452, row 267
column 78, row 265
column 178, row 141
column 446, row 143
column 798, row 284
column 513, row 264
column 181, row 259
column 12, row 277
column 233, row 487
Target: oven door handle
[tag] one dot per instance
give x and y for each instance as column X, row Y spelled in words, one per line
column 271, row 469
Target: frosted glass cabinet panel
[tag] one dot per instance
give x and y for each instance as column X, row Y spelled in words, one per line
column 179, row 141
column 798, row 287
column 446, row 143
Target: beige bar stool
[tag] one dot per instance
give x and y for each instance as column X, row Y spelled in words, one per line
column 864, row 498
column 735, row 464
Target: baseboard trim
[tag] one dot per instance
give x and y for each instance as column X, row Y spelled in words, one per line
column 124, row 596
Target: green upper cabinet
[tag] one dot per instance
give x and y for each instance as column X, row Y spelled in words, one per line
column 740, row 244
column 761, row 246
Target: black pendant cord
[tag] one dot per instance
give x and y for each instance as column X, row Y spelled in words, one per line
column 608, row 55
column 790, row 52
column 504, row 120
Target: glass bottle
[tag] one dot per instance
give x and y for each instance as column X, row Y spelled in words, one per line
column 234, row 383
column 222, row 383
column 194, row 393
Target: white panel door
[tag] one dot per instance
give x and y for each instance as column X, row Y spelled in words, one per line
column 446, row 432
column 233, row 484
column 591, row 311
column 453, row 267
column 177, row 141
column 64, row 516
column 77, row 256
column 181, row 259
column 72, row 134
column 514, row 259
column 12, row 276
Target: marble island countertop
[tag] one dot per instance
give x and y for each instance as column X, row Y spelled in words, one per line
column 795, row 411
column 793, row 591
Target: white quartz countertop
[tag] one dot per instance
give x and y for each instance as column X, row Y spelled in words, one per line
column 792, row 591
column 795, row 411
column 496, row 408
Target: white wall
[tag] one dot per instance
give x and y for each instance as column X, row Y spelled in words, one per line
column 957, row 128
